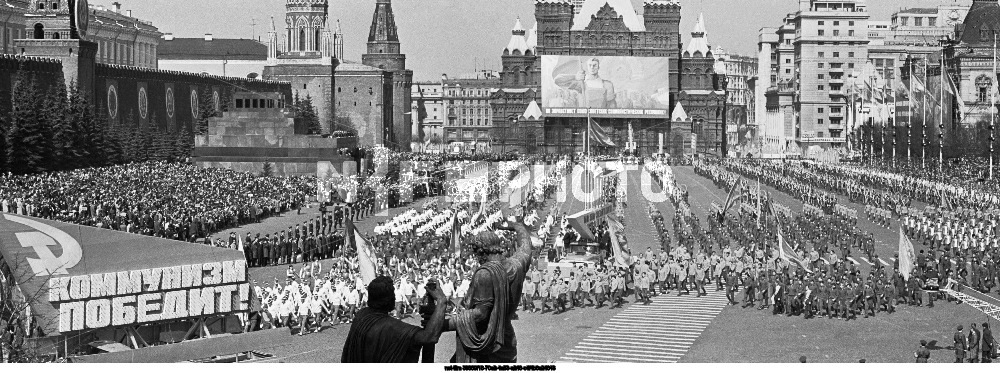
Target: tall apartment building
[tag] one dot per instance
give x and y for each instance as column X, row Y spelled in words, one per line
column 831, row 42
column 776, row 94
column 817, row 48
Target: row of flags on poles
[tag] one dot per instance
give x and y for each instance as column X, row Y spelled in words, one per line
column 920, row 95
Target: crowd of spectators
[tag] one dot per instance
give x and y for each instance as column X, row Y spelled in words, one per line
column 170, row 200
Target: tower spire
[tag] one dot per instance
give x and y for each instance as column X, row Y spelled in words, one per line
column 383, row 41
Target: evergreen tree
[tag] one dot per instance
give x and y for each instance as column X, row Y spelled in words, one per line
column 308, row 114
column 183, row 145
column 66, row 153
column 296, row 104
column 206, row 110
column 226, row 98
column 114, row 144
column 162, row 145
column 268, row 170
column 29, row 143
column 95, row 131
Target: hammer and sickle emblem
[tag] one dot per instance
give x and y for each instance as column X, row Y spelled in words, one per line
column 47, row 263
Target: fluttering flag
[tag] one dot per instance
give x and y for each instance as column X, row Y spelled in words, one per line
column 366, row 259
column 614, row 227
column 482, row 206
column 731, row 199
column 787, row 254
column 456, row 235
column 953, row 89
column 599, row 134
column 946, row 202
column 758, row 203
column 906, row 255
column 784, row 252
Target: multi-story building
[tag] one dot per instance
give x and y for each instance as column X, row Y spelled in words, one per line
column 428, row 97
column 972, row 65
column 121, row 38
column 610, row 28
column 776, row 91
column 915, row 33
column 12, row 21
column 818, row 47
column 831, row 42
column 469, row 117
column 741, row 73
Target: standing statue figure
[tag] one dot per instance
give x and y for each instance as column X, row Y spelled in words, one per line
column 484, row 333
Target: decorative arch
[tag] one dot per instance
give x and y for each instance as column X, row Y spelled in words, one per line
column 302, row 21
column 302, row 38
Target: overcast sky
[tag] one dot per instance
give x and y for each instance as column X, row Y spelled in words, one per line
column 455, row 36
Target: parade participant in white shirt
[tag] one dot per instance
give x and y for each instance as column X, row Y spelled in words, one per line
column 316, row 309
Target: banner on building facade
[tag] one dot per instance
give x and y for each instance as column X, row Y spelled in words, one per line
column 142, row 102
column 112, row 100
column 605, row 86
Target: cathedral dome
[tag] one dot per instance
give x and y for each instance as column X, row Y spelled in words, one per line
column 982, row 22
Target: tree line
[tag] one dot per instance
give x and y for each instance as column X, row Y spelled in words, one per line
column 51, row 129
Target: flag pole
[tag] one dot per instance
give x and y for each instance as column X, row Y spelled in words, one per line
column 923, row 121
column 909, row 112
column 895, row 126
column 941, row 117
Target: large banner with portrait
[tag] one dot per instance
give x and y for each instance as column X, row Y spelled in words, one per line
column 605, row 86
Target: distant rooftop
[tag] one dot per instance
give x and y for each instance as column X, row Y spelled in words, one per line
column 208, row 48
column 918, row 11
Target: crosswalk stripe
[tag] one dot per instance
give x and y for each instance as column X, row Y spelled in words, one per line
column 650, row 319
column 588, row 359
column 609, row 350
column 681, row 307
column 866, row 261
column 852, row 260
column 619, row 340
column 631, row 325
column 657, row 318
column 640, row 316
column 643, row 334
column 640, row 347
column 883, row 262
column 662, row 331
column 624, row 360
